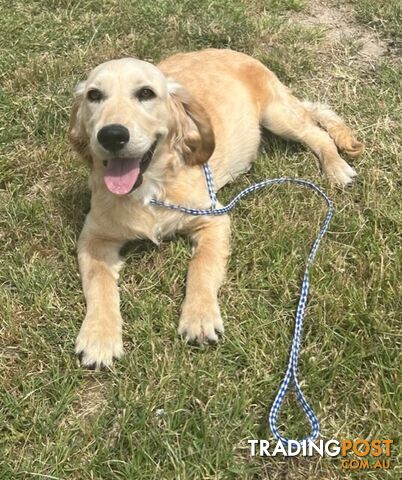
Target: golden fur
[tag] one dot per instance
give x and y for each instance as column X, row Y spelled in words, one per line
column 209, row 105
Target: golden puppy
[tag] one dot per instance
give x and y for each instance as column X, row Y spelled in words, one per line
column 145, row 130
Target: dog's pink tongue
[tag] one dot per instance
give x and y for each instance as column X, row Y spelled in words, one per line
column 121, row 174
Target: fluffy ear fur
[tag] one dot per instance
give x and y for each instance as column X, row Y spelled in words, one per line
column 192, row 132
column 76, row 132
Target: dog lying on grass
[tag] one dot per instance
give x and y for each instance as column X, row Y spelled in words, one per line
column 145, row 130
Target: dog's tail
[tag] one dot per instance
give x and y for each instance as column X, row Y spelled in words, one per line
column 340, row 133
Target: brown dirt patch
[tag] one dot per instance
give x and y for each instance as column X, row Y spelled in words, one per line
column 339, row 25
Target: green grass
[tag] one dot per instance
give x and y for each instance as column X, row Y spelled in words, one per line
column 167, row 411
column 383, row 15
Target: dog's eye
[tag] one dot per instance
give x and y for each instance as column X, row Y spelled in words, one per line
column 145, row 93
column 94, row 95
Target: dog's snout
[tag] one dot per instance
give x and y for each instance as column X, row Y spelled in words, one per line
column 113, row 137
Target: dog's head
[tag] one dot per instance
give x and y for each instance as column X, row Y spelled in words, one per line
column 127, row 114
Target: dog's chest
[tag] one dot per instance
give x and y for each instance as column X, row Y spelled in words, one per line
column 155, row 223
column 130, row 221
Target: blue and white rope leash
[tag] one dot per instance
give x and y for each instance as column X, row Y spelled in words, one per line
column 291, row 372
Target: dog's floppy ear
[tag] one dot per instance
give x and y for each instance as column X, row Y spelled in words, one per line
column 76, row 133
column 192, row 130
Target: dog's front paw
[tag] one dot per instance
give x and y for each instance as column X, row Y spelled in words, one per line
column 99, row 342
column 200, row 323
column 341, row 173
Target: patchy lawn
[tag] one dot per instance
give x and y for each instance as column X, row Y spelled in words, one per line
column 167, row 411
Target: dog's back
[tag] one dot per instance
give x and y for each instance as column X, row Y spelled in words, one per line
column 240, row 95
column 232, row 87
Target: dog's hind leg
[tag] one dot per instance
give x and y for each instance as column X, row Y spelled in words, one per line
column 288, row 117
column 340, row 133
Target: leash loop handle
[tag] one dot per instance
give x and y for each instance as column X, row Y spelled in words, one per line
column 291, row 375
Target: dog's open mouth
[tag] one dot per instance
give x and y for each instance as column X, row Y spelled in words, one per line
column 123, row 175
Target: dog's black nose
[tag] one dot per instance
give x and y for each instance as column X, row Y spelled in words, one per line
column 113, row 137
